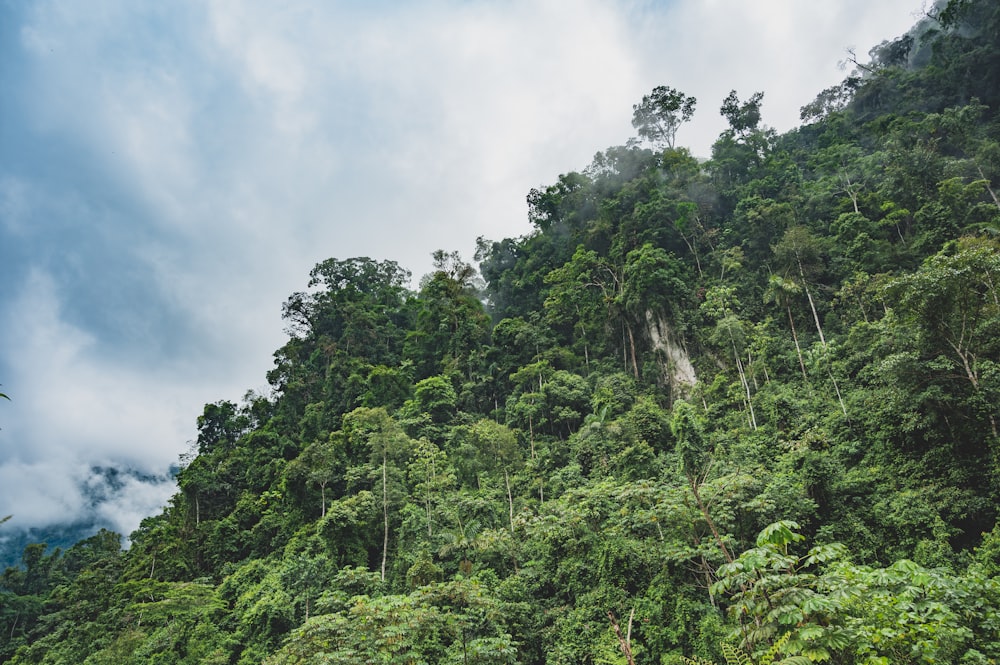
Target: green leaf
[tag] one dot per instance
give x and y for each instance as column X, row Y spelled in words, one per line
column 779, row 534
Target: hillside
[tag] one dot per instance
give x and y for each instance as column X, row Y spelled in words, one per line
column 704, row 411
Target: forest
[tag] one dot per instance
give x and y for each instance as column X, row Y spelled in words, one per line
column 735, row 410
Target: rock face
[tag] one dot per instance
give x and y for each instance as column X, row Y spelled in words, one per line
column 675, row 363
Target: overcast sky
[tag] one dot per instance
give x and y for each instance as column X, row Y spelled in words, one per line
column 171, row 171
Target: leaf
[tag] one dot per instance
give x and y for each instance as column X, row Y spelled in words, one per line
column 779, row 534
column 825, row 553
column 816, row 654
column 810, row 632
column 735, row 656
column 771, row 653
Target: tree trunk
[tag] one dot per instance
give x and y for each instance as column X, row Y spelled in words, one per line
column 510, row 500
column 743, row 379
column 971, row 374
column 427, row 507
column 851, row 190
column 427, row 499
column 812, row 305
column 624, row 641
column 697, row 261
column 531, row 435
column 836, row 389
column 583, row 335
column 631, row 344
column 385, row 513
column 989, row 189
column 708, row 519
column 795, row 337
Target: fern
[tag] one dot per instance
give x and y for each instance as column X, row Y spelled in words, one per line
column 771, row 653
column 735, row 656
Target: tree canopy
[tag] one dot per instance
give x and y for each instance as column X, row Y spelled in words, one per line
column 736, row 410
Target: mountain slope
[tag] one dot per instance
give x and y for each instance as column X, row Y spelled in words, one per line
column 751, row 400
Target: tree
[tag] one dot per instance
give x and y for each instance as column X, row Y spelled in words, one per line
column 497, row 448
column 354, row 303
column 660, row 114
column 451, row 326
column 353, row 316
column 432, row 476
column 653, row 284
column 781, row 291
column 580, row 292
column 695, row 461
column 954, row 303
column 799, row 254
column 436, row 397
column 388, row 386
column 319, row 462
column 629, row 289
column 720, row 304
column 446, row 622
column 387, row 442
column 743, row 118
column 774, row 591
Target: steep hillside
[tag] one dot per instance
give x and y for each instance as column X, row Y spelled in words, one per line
column 745, row 408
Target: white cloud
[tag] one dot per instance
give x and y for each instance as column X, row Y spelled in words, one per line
column 137, row 499
column 38, row 493
column 69, row 395
column 71, row 409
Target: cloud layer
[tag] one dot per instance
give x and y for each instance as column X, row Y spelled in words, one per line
column 170, row 173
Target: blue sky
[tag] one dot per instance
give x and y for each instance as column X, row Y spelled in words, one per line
column 170, row 172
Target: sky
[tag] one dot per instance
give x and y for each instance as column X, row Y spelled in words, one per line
column 170, row 172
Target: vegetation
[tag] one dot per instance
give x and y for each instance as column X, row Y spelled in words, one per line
column 742, row 410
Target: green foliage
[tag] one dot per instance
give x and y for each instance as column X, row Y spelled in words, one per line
column 661, row 113
column 836, row 609
column 749, row 402
column 437, row 623
column 436, row 397
column 734, row 656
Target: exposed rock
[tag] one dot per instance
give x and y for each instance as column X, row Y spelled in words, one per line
column 675, row 363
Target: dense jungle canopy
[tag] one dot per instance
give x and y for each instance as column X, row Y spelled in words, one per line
column 734, row 410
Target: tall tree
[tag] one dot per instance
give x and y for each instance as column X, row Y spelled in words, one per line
column 743, row 118
column 661, row 113
column 954, row 303
column 782, row 291
column 389, row 450
column 452, row 326
column 799, row 254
